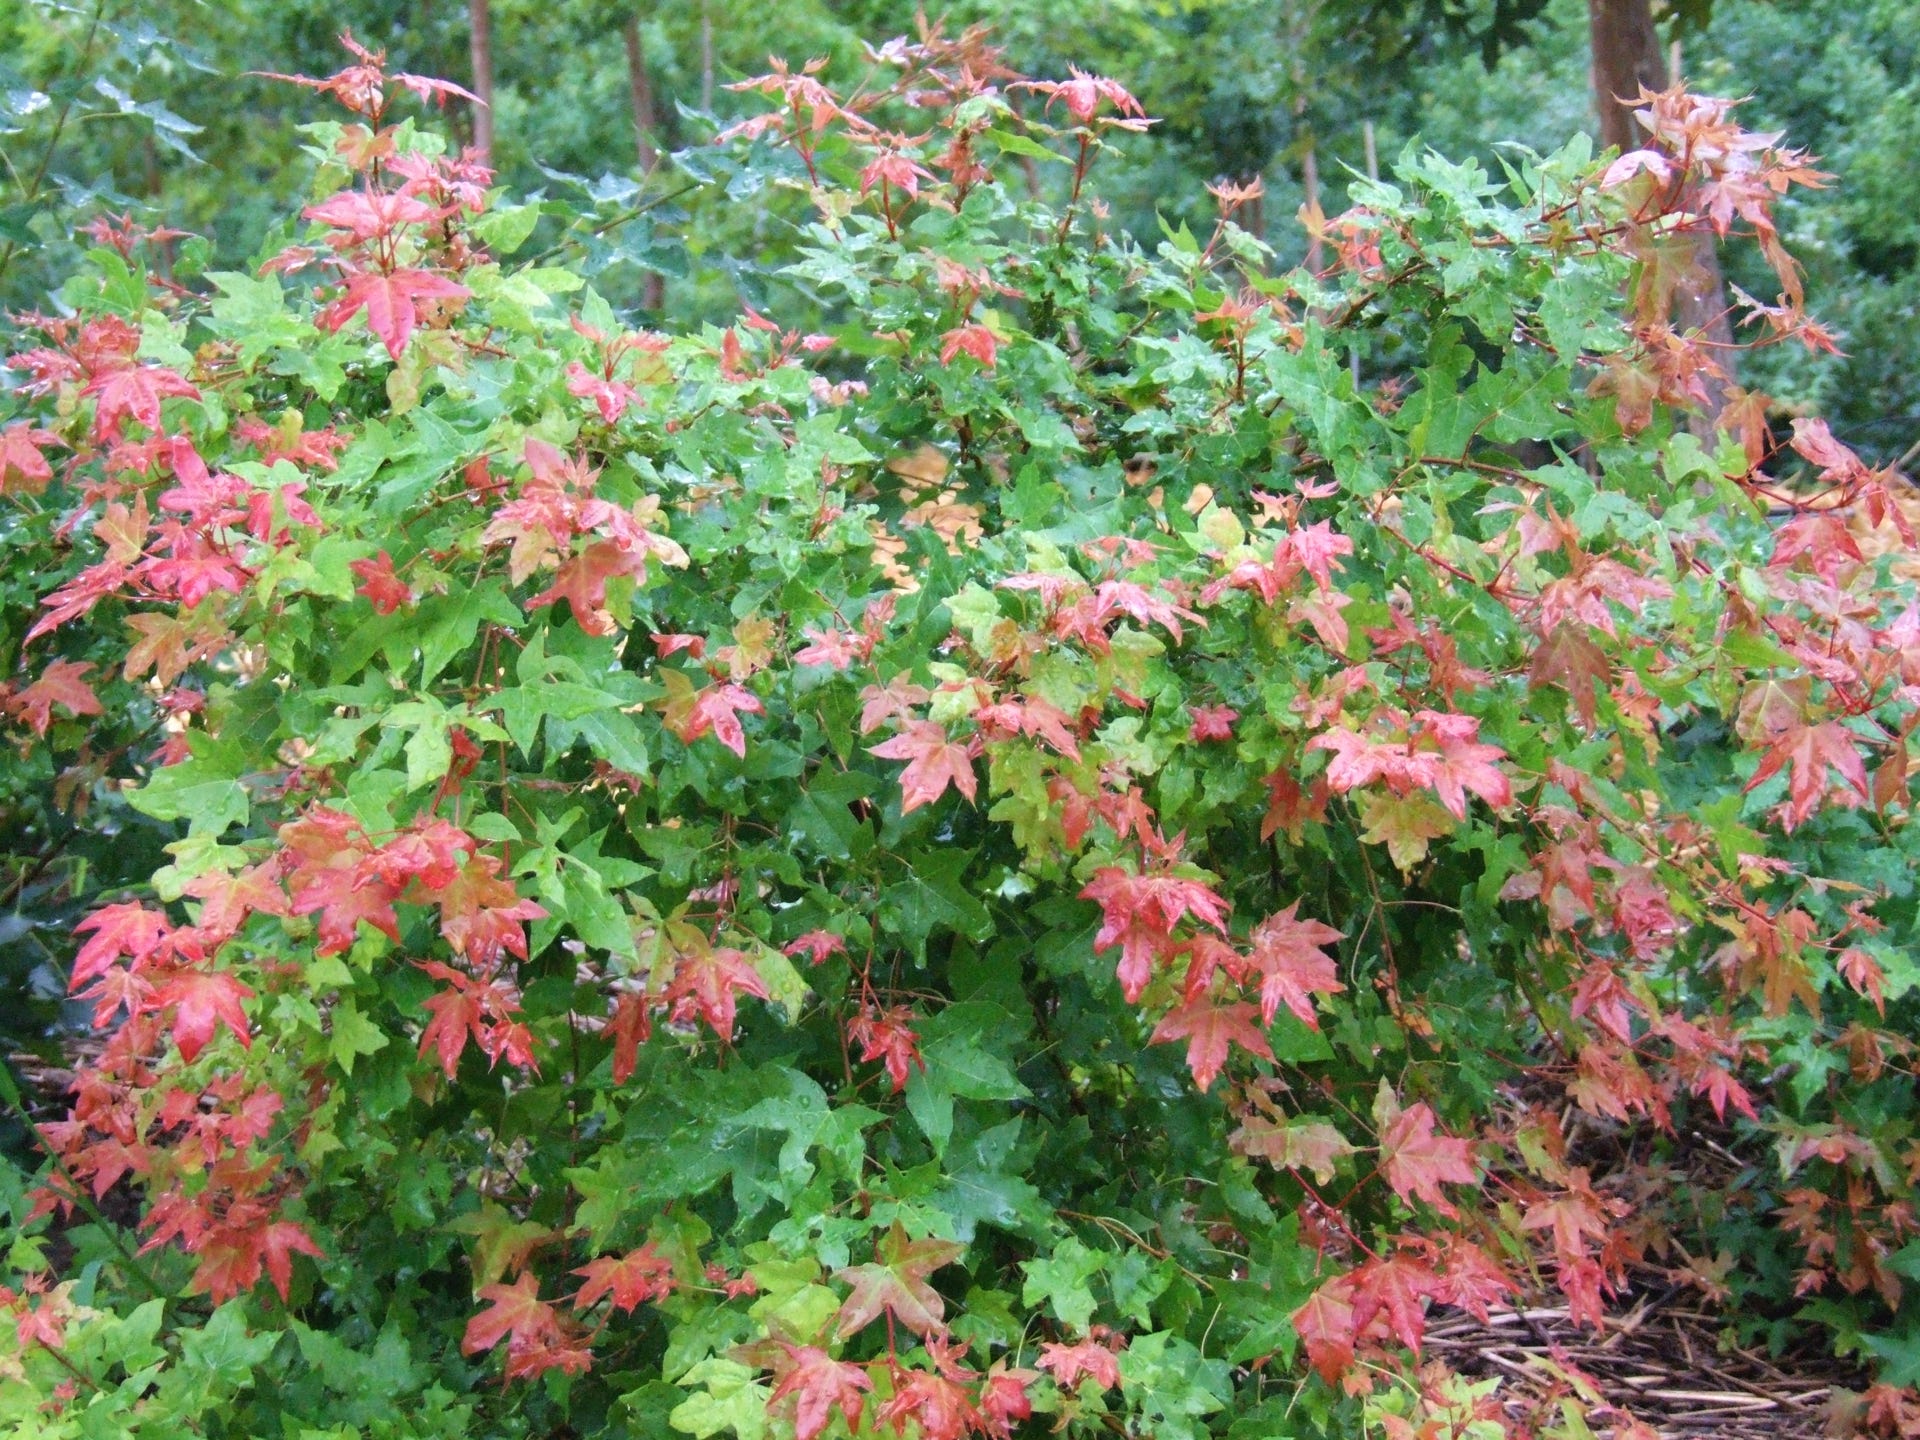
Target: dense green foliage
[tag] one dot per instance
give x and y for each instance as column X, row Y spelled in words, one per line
column 186, row 138
column 1070, row 843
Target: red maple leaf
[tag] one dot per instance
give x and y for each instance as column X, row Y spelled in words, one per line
column 628, row 1280
column 1863, row 973
column 309, row 449
column 897, row 1283
column 888, row 1035
column 1575, row 1218
column 345, row 895
column 1473, row 1281
column 279, row 1243
column 193, row 567
column 78, row 596
column 516, row 1314
column 1325, row 1326
column 708, row 983
column 975, row 340
column 202, row 1000
column 1139, row 913
column 718, row 708
column 478, row 1007
column 833, row 647
column 1265, row 578
column 631, row 1025
column 1811, row 749
column 232, row 1255
column 379, row 584
column 819, row 1384
column 1318, row 548
column 389, row 301
column 1028, row 715
column 126, row 929
column 1416, row 1161
column 22, row 465
column 432, row 851
column 1289, row 808
column 364, row 215
column 231, row 899
column 935, row 1404
column 206, row 499
column 816, row 945
column 1004, row 1399
column 611, row 397
column 43, row 1326
column 1137, row 603
column 582, row 583
column 667, row 644
column 1465, row 763
column 1208, row 1028
column 1568, row 657
column 1359, row 760
column 133, row 392
column 456, row 1015
column 61, row 684
column 934, row 762
column 1212, row 722
column 1822, row 538
column 1293, row 967
column 1393, row 1289
column 1067, row 1363
column 481, row 914
column 1814, row 440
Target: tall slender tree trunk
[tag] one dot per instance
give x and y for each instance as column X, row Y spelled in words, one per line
column 1298, row 19
column 640, row 88
column 480, row 47
column 1627, row 55
column 1310, row 184
column 706, row 57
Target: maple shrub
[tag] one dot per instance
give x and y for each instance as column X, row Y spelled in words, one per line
column 1061, row 838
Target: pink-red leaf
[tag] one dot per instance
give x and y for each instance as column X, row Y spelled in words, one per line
column 628, row 1280
column 204, row 999
column 934, row 762
column 391, row 303
column 820, row 1385
column 1293, row 966
column 62, row 684
column 1416, row 1161
column 1209, row 1028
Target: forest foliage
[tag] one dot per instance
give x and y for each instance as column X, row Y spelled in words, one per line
column 1078, row 841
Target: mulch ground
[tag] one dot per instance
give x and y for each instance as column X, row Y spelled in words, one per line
column 1663, row 1362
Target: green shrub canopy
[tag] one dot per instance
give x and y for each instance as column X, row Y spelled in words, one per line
column 1074, row 844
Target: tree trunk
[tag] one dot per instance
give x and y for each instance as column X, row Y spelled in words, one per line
column 640, row 88
column 706, row 58
column 1626, row 56
column 1310, row 184
column 480, row 46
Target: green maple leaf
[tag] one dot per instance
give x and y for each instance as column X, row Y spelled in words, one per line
column 1404, row 824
